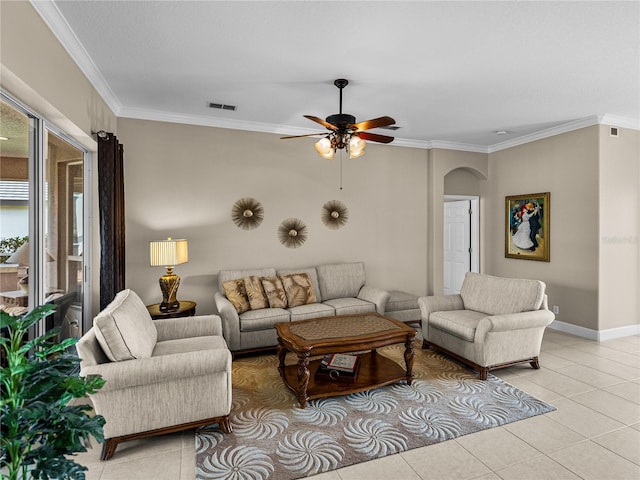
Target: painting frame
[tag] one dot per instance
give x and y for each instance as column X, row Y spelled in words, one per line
column 527, row 235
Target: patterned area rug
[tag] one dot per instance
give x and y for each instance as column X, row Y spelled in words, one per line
column 274, row 439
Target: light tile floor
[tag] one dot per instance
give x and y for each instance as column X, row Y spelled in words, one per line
column 594, row 434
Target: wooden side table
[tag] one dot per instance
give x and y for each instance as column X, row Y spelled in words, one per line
column 187, row 308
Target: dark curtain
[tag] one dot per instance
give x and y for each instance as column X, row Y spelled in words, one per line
column 111, row 204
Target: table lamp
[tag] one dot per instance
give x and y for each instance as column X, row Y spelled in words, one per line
column 169, row 253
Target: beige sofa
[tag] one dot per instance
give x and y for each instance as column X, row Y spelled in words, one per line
column 339, row 289
column 494, row 322
column 161, row 376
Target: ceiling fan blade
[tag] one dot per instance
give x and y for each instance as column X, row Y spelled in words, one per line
column 321, row 122
column 374, row 137
column 307, row 135
column 373, row 123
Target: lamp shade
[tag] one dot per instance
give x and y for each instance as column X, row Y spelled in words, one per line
column 324, row 148
column 356, row 146
column 169, row 252
column 21, row 255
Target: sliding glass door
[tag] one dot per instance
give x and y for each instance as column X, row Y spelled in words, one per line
column 16, row 154
column 64, row 233
column 49, row 217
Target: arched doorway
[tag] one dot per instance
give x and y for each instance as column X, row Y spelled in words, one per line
column 461, row 227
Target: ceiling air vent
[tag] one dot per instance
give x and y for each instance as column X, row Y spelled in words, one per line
column 222, row 106
column 391, row 127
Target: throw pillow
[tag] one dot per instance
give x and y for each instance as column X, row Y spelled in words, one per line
column 237, row 295
column 275, row 292
column 299, row 289
column 124, row 329
column 255, row 293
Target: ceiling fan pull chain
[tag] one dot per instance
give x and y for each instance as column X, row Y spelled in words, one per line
column 340, row 169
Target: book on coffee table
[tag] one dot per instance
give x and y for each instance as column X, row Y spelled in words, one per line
column 340, row 361
column 338, row 367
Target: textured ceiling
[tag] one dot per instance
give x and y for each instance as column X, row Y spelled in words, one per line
column 14, row 126
column 448, row 72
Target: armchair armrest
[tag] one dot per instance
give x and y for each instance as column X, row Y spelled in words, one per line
column 166, row 368
column 375, row 295
column 198, row 326
column 513, row 321
column 230, row 321
column 439, row 303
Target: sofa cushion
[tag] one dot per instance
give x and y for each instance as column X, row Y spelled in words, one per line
column 340, row 280
column 313, row 275
column 263, row 319
column 237, row 295
column 226, row 275
column 255, row 293
column 459, row 323
column 124, row 329
column 298, row 289
column 275, row 292
column 348, row 306
column 314, row 310
column 499, row 296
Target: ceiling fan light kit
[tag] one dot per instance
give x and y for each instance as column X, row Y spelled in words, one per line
column 345, row 133
column 325, row 148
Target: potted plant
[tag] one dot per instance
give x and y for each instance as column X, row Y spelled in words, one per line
column 40, row 429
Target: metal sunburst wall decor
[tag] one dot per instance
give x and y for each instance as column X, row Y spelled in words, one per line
column 247, row 213
column 292, row 233
column 334, row 214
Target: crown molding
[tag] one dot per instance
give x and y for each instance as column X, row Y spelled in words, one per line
column 606, row 119
column 206, row 121
column 616, row 121
column 58, row 25
column 546, row 133
column 462, row 147
column 410, row 143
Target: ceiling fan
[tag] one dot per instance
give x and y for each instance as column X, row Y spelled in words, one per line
column 345, row 132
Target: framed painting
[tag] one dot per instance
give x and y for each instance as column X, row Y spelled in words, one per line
column 527, row 227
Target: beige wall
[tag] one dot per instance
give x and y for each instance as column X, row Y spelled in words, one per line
column 461, row 181
column 183, row 180
column 38, row 72
column 619, row 265
column 566, row 166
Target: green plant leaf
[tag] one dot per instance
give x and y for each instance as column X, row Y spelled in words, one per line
column 39, row 427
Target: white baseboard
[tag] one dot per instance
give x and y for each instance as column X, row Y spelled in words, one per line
column 597, row 335
column 619, row 332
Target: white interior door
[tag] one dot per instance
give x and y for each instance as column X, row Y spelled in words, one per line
column 457, row 244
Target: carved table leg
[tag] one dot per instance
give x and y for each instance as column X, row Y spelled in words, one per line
column 303, row 378
column 281, row 354
column 408, row 358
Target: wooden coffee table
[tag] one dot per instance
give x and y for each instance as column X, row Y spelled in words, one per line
column 343, row 334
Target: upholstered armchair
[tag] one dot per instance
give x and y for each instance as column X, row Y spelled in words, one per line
column 494, row 322
column 161, row 376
